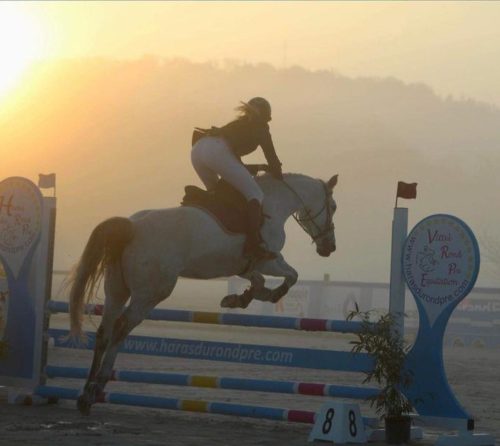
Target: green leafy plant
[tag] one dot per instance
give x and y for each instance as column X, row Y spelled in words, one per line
column 380, row 340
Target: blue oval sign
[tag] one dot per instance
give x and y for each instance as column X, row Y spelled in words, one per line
column 440, row 263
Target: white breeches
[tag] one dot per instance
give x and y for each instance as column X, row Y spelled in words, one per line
column 212, row 158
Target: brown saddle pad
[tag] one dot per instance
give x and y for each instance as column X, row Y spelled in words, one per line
column 226, row 205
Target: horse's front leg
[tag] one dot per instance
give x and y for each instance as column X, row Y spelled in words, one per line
column 253, row 292
column 277, row 268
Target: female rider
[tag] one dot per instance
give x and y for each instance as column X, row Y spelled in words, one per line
column 217, row 153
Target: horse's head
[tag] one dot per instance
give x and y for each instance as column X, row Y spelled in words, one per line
column 316, row 218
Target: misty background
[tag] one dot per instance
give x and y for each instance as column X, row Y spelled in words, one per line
column 117, row 134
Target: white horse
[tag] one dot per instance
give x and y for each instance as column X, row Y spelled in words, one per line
column 141, row 258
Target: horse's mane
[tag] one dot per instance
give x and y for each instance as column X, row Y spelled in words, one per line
column 267, row 177
column 266, row 180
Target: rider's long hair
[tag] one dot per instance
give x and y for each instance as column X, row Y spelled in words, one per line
column 246, row 111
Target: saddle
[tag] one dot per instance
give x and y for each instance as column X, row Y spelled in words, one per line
column 225, row 204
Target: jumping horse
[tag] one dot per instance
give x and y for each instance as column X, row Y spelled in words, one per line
column 141, row 257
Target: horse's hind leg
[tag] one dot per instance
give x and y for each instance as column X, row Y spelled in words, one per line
column 140, row 305
column 135, row 313
column 116, row 295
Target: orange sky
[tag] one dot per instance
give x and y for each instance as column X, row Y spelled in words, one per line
column 97, row 146
column 452, row 46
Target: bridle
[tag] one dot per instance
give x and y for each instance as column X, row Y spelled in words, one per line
column 328, row 226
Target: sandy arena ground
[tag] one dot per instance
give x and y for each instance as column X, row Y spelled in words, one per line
column 473, row 374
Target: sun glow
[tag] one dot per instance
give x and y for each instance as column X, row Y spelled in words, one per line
column 19, row 44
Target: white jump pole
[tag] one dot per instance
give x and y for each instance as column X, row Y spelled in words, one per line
column 397, row 281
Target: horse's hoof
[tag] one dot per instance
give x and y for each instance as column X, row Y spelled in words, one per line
column 230, row 301
column 83, row 404
column 237, row 300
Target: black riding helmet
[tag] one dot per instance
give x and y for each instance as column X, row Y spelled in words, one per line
column 261, row 107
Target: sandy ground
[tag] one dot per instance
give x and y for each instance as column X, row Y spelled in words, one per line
column 473, row 373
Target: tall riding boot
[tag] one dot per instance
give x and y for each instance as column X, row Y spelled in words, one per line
column 254, row 245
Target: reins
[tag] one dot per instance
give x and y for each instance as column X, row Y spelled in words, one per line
column 326, row 205
column 329, row 226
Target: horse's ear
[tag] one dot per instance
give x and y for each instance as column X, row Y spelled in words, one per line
column 332, row 181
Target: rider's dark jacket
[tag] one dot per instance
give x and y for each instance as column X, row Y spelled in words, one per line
column 244, row 136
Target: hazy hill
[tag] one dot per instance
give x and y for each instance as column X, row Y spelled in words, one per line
column 117, row 133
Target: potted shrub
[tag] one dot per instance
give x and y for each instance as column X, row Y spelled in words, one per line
column 381, row 341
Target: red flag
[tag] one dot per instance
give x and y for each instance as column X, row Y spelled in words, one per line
column 406, row 190
column 46, row 181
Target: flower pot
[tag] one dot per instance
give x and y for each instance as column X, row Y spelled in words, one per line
column 397, row 429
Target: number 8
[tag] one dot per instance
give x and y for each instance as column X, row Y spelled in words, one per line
column 353, row 430
column 327, row 425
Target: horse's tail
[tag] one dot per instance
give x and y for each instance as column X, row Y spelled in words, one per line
column 105, row 246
